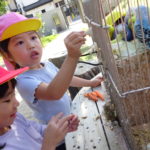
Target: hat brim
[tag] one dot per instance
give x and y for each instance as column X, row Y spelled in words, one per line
column 11, row 74
column 21, row 27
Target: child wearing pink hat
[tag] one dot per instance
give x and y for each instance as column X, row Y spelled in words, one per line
column 43, row 86
column 18, row 133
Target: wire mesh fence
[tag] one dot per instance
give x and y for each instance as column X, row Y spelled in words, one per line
column 121, row 29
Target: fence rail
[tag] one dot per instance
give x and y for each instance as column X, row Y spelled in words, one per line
column 121, row 30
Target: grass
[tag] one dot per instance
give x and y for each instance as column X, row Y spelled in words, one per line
column 47, row 39
column 85, row 49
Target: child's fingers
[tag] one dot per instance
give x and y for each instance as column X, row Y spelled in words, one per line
column 79, row 45
column 57, row 117
column 100, row 78
column 96, row 82
column 74, row 119
column 75, row 35
column 78, row 40
column 65, row 119
column 64, row 126
column 72, row 34
column 73, row 127
column 68, row 124
column 74, row 122
column 83, row 33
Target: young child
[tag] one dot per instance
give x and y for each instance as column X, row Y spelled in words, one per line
column 17, row 133
column 43, row 87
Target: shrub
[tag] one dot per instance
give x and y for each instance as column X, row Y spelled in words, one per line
column 47, row 39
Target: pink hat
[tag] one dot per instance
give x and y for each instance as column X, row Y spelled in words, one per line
column 12, row 24
column 8, row 75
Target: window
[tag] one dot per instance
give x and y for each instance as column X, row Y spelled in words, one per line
column 29, row 16
column 57, row 5
column 61, row 3
column 43, row 11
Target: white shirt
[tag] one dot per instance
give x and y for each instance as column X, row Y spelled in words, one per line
column 23, row 135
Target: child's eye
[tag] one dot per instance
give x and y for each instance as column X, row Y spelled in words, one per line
column 19, row 43
column 7, row 101
column 34, row 37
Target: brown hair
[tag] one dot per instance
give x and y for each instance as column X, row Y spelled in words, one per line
column 4, row 49
column 3, row 91
column 5, row 86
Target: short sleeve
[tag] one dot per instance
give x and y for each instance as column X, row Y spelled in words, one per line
column 27, row 86
column 53, row 66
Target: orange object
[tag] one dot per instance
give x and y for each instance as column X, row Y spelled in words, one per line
column 92, row 97
column 93, row 93
column 86, row 94
column 99, row 95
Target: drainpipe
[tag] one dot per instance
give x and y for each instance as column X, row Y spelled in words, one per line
column 16, row 4
column 10, row 9
column 19, row 7
column 81, row 10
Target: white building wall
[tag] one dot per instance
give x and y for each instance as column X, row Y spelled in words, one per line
column 48, row 15
column 27, row 2
column 56, row 1
column 47, row 7
column 67, row 1
column 49, row 23
column 12, row 4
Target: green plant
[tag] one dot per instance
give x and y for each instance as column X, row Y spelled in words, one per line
column 3, row 5
column 47, row 39
column 39, row 16
column 85, row 49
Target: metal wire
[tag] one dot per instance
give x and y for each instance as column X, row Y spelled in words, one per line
column 94, row 52
column 100, row 63
column 129, row 73
column 90, row 21
column 122, row 95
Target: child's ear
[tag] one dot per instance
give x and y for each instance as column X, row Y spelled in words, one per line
column 8, row 61
column 8, row 65
column 7, row 56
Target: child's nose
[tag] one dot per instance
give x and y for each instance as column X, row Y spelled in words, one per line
column 16, row 103
column 30, row 45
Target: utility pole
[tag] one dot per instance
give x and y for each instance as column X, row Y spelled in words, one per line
column 20, row 6
column 68, row 2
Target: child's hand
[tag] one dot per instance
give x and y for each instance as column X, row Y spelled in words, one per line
column 73, row 43
column 73, row 123
column 57, row 128
column 96, row 82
